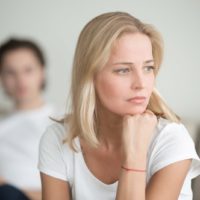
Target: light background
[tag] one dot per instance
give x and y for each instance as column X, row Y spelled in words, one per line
column 56, row 24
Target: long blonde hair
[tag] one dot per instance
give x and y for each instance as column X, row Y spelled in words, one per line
column 92, row 53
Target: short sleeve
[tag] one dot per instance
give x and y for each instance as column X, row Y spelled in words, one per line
column 174, row 144
column 51, row 160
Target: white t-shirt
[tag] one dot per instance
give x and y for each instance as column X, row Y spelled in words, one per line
column 171, row 143
column 20, row 133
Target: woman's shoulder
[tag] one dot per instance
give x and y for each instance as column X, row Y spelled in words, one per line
column 55, row 156
column 54, row 131
column 170, row 127
column 171, row 133
column 172, row 136
column 56, row 137
column 172, row 143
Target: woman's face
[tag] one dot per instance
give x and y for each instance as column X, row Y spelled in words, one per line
column 128, row 74
column 21, row 75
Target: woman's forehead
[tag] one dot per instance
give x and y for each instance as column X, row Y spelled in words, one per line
column 132, row 46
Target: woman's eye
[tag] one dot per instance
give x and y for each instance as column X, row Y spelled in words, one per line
column 149, row 68
column 122, row 71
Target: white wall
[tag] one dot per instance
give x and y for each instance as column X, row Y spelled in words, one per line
column 56, row 24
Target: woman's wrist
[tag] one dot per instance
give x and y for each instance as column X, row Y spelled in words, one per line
column 132, row 155
column 133, row 169
column 138, row 162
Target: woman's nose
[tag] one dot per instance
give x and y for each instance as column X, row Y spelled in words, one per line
column 138, row 80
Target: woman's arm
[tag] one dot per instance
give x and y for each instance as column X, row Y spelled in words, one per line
column 53, row 188
column 132, row 184
column 165, row 184
column 137, row 133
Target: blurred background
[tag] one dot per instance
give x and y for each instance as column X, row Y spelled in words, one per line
column 56, row 24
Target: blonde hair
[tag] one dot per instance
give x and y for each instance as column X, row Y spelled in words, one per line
column 92, row 53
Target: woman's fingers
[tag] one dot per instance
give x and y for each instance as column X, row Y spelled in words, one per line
column 149, row 112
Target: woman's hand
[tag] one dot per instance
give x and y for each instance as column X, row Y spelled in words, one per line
column 137, row 134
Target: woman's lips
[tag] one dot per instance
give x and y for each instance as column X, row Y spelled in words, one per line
column 137, row 100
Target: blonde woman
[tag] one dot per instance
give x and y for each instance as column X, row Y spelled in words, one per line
column 120, row 140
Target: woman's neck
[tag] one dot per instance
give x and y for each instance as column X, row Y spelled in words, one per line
column 109, row 129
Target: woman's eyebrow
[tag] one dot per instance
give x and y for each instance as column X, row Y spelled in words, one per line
column 130, row 63
column 123, row 63
column 148, row 61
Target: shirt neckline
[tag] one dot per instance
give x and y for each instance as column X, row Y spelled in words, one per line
column 101, row 183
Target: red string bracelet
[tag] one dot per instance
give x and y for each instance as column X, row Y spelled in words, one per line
column 135, row 170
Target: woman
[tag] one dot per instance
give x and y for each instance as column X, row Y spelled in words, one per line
column 22, row 66
column 120, row 140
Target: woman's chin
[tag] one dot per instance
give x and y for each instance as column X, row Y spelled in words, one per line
column 135, row 111
column 122, row 111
